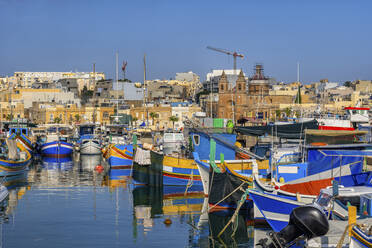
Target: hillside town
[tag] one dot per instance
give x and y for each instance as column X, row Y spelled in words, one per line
column 244, row 97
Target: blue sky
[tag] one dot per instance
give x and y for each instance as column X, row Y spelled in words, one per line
column 331, row 39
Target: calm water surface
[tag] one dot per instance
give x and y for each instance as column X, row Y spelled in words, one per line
column 69, row 204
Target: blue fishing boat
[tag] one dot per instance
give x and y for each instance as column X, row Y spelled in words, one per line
column 57, row 143
column 58, row 148
column 278, row 216
column 181, row 170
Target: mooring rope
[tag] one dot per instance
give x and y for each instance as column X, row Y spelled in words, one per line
column 241, row 202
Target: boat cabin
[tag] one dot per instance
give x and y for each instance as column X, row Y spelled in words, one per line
column 224, row 144
column 358, row 196
column 86, row 129
column 358, row 115
column 18, row 130
column 172, row 142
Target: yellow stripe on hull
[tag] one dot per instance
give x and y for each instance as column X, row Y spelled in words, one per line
column 186, row 163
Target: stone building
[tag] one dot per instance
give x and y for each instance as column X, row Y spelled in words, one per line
column 250, row 100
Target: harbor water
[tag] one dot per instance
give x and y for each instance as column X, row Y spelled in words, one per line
column 68, row 203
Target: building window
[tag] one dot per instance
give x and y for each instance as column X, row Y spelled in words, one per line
column 105, row 114
column 221, row 86
column 240, row 87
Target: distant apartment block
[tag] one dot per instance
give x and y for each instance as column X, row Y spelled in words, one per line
column 26, row 79
column 187, row 77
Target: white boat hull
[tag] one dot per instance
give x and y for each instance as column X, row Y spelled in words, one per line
column 89, row 147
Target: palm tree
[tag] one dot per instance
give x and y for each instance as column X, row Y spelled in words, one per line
column 173, row 119
column 77, row 117
column 153, row 115
column 9, row 117
column 57, row 120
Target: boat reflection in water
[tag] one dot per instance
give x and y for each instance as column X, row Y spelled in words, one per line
column 89, row 162
column 63, row 164
column 115, row 178
column 168, row 202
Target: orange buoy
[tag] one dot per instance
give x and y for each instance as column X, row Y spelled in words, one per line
column 99, row 168
column 167, row 222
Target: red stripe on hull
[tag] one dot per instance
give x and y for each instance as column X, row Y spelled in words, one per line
column 121, row 167
column 196, row 178
column 336, row 128
column 308, row 188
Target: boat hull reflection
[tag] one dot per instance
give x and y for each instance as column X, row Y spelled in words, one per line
column 50, row 163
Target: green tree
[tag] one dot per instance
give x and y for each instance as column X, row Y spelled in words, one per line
column 298, row 96
column 77, row 117
column 153, row 116
column 347, row 84
column 9, row 117
column 288, row 112
column 57, row 120
column 134, row 119
column 173, row 119
column 278, row 113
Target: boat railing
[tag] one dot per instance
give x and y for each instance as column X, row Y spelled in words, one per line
column 286, row 158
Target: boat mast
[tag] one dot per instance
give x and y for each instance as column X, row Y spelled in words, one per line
column 144, row 92
column 117, row 86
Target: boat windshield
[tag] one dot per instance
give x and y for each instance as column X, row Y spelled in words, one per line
column 324, row 199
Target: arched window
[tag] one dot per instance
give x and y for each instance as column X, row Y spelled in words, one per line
column 221, row 87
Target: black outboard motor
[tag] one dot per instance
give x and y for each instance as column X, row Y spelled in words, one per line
column 305, row 222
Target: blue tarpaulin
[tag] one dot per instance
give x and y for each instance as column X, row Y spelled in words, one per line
column 143, row 124
column 322, row 160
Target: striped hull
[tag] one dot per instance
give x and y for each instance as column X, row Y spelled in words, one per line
column 277, row 216
column 311, row 185
column 120, row 156
column 359, row 238
column 23, row 140
column 10, row 167
column 57, row 149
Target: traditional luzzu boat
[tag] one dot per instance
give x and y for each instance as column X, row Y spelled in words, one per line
column 181, row 170
column 119, row 157
column 17, row 160
column 57, row 143
column 22, row 135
